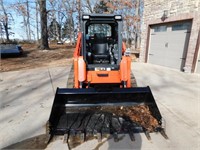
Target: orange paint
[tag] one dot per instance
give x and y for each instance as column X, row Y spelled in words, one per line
column 76, row 55
column 81, row 69
column 78, row 46
column 76, row 83
column 128, row 71
column 124, row 69
column 103, row 77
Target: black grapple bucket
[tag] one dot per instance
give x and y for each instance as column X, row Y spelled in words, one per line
column 89, row 112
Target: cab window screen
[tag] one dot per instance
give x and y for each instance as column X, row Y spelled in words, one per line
column 102, row 29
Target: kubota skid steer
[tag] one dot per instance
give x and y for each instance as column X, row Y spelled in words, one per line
column 101, row 99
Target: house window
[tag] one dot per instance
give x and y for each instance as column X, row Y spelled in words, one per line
column 180, row 26
column 160, row 29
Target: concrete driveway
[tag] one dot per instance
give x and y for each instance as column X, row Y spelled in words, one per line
column 27, row 97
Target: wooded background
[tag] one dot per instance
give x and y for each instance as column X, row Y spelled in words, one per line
column 44, row 21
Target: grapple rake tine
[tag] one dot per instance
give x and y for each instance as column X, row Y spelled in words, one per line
column 82, row 137
column 162, row 132
column 72, row 133
column 94, row 132
column 147, row 135
column 86, row 131
column 99, row 137
column 115, row 135
column 66, row 137
column 132, row 137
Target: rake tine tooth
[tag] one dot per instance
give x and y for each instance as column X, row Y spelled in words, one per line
column 72, row 133
column 88, row 134
column 94, row 133
column 107, row 135
column 147, row 135
column 132, row 137
column 82, row 137
column 99, row 137
column 65, row 140
column 162, row 132
column 115, row 135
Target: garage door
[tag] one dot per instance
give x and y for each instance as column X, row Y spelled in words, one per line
column 168, row 44
column 198, row 64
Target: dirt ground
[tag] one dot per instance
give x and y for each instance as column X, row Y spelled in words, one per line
column 58, row 55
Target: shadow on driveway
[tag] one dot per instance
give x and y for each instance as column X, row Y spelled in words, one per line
column 37, row 142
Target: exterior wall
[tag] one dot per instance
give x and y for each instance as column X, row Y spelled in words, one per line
column 177, row 10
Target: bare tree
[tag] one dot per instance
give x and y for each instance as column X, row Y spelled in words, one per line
column 53, row 12
column 70, row 8
column 23, row 9
column 28, row 20
column 130, row 9
column 43, row 17
column 5, row 20
column 88, row 6
column 78, row 7
column 37, row 18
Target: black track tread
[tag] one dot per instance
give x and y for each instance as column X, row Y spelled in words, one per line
column 133, row 80
column 70, row 81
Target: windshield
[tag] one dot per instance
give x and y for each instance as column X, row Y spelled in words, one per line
column 101, row 29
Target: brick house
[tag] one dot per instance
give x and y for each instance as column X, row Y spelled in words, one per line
column 171, row 34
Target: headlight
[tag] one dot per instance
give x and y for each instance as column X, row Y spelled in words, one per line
column 86, row 17
column 118, row 17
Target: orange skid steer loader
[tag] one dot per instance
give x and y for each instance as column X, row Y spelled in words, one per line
column 101, row 97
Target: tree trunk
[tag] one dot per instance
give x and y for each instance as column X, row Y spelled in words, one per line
column 6, row 30
column 137, row 14
column 71, row 28
column 44, row 33
column 28, row 20
column 79, row 15
column 5, row 21
column 25, row 26
column 37, row 28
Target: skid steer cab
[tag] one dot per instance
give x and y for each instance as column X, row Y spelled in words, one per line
column 100, row 98
column 99, row 57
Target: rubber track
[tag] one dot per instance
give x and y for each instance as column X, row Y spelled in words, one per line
column 133, row 80
column 70, row 81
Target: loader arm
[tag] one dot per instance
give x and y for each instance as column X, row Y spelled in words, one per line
column 76, row 56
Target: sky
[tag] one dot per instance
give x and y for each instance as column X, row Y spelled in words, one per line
column 16, row 24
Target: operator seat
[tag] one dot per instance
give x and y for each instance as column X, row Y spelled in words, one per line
column 99, row 48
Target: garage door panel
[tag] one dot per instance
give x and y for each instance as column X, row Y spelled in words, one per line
column 174, row 63
column 167, row 62
column 174, row 53
column 168, row 47
column 155, row 61
column 157, row 45
column 198, row 64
